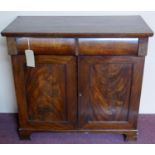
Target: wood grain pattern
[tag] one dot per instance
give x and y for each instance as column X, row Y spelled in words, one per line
column 143, row 43
column 46, row 87
column 47, row 100
column 88, row 73
column 17, row 66
column 105, row 87
column 55, row 46
column 11, row 44
column 108, row 46
column 109, row 91
column 79, row 26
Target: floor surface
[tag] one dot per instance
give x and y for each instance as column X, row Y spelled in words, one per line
column 9, row 135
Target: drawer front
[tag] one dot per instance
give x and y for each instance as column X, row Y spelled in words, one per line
column 56, row 46
column 108, row 46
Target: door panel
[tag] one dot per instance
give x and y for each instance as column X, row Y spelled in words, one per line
column 105, row 85
column 50, row 95
column 46, row 87
column 109, row 91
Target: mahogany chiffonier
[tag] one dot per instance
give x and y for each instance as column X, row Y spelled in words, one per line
column 78, row 74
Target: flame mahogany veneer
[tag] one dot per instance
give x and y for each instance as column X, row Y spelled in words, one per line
column 88, row 73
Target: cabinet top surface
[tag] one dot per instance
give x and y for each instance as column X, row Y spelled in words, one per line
column 78, row 26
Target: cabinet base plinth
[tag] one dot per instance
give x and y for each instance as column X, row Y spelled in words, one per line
column 128, row 136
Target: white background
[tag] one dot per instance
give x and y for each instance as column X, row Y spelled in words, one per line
column 7, row 93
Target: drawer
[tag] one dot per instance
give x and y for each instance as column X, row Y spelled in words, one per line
column 108, row 46
column 56, row 46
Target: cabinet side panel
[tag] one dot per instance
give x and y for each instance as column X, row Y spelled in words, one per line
column 136, row 90
column 17, row 65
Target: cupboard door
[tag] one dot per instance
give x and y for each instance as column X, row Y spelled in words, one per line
column 109, row 91
column 46, row 94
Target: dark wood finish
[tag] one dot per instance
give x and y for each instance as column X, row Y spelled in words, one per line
column 11, row 43
column 88, row 73
column 48, row 99
column 79, row 26
column 108, row 46
column 55, row 46
column 143, row 43
column 105, row 88
column 131, row 136
column 25, row 134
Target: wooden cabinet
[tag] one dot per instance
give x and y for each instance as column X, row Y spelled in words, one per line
column 87, row 75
